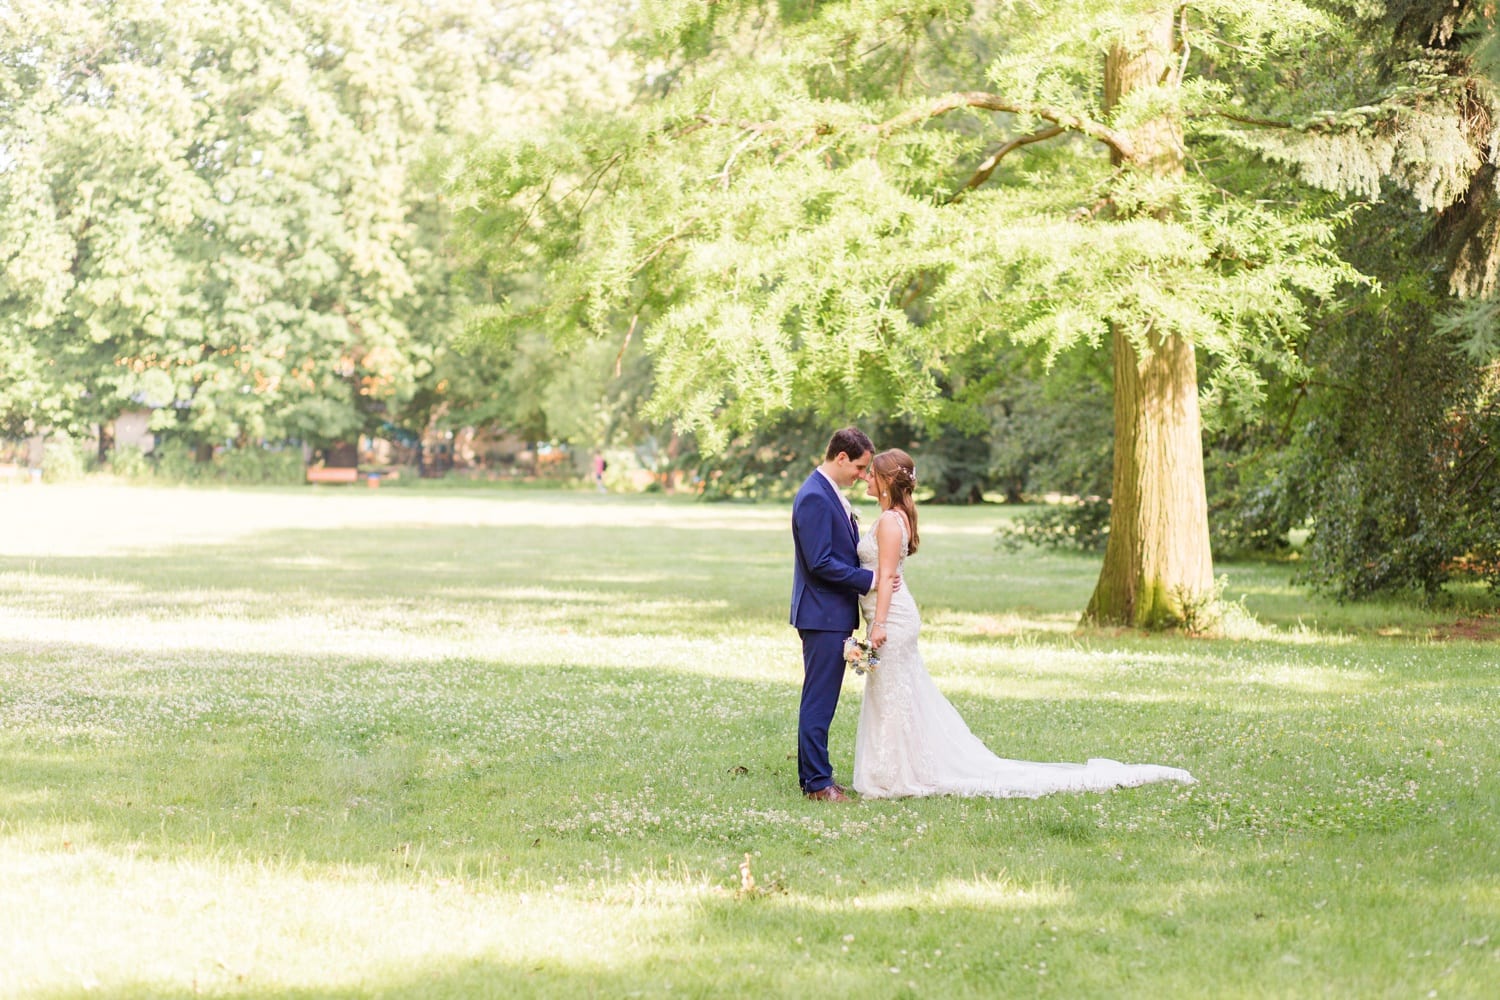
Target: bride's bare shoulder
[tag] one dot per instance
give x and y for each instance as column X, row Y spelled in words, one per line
column 892, row 523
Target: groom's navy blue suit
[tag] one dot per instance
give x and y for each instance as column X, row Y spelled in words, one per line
column 826, row 585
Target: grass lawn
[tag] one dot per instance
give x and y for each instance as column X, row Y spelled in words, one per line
column 340, row 742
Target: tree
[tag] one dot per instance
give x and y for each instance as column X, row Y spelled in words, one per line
column 231, row 210
column 818, row 207
column 1158, row 561
column 1399, row 443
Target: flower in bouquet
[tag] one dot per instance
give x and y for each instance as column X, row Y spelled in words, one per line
column 860, row 655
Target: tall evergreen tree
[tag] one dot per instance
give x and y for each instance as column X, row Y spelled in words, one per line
column 1397, row 454
column 825, row 205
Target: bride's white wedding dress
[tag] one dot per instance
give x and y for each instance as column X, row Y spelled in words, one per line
column 911, row 741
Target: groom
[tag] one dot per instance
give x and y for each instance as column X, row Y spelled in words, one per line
column 826, row 585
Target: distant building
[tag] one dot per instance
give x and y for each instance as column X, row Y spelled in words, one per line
column 133, row 430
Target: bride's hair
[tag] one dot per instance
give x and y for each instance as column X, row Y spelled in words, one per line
column 896, row 474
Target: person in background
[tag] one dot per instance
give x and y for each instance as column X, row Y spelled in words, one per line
column 599, row 465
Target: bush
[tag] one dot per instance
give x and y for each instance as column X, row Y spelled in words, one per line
column 63, row 460
column 129, row 462
column 1082, row 526
column 260, row 466
column 176, row 463
column 1401, row 454
column 625, row 473
column 1253, row 506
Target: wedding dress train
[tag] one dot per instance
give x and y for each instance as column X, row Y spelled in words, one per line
column 911, row 741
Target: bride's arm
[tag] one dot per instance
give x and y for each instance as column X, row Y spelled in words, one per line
column 888, row 537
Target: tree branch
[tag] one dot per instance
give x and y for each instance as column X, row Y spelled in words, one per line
column 628, row 334
column 1115, row 140
column 748, row 126
column 1064, row 120
column 1332, row 121
column 988, row 166
column 724, row 174
column 595, row 180
column 1243, row 119
column 1187, row 48
column 662, row 245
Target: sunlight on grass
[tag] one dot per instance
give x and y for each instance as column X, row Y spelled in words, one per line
column 995, row 626
column 72, row 918
column 68, row 520
column 352, row 743
column 994, row 893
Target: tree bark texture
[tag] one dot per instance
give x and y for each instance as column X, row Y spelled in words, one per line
column 1157, row 567
column 1158, row 570
column 106, row 441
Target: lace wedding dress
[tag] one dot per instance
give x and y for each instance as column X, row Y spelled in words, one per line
column 911, row 741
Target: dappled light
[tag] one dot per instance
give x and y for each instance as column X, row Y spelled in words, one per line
column 445, row 446
column 381, row 755
column 243, row 915
column 88, row 521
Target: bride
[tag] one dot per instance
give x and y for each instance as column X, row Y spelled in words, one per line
column 910, row 740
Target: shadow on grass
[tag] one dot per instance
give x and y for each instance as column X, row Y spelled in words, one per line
column 610, row 579
column 333, row 760
column 494, row 769
column 707, row 577
column 509, row 770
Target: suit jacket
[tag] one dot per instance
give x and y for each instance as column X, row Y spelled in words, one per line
column 827, row 580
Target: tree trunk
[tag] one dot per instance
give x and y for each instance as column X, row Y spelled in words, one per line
column 106, row 442
column 1157, row 568
column 342, row 455
column 1158, row 571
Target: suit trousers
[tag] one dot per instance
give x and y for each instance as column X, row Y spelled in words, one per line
column 822, row 678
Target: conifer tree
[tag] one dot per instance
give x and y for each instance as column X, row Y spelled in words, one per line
column 1400, row 439
column 834, row 204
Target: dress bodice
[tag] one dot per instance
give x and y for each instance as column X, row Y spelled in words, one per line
column 903, row 621
column 869, row 546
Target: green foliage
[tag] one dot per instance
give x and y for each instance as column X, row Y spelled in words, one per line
column 1252, row 505
column 956, row 465
column 1404, row 447
column 771, row 463
column 259, row 466
column 786, row 215
column 129, row 462
column 64, row 460
column 175, row 461
column 1253, row 499
column 1051, row 431
column 1474, row 324
column 1077, row 525
column 230, row 211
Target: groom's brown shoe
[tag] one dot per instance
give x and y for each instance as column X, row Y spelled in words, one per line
column 833, row 793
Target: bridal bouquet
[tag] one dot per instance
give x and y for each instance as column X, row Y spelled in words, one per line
column 859, row 655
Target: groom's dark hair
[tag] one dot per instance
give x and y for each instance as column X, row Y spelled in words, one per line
column 851, row 441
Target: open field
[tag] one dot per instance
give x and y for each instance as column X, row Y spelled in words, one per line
column 344, row 742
